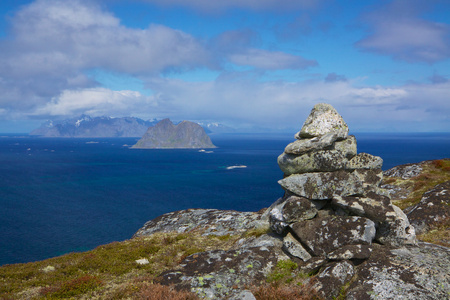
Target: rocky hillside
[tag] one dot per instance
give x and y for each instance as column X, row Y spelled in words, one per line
column 86, row 126
column 167, row 135
column 337, row 233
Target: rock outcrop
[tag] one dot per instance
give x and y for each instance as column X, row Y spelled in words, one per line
column 166, row 135
column 334, row 221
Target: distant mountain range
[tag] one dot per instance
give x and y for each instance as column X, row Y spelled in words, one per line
column 166, row 135
column 86, row 126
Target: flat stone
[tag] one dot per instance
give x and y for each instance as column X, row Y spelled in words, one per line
column 297, row 209
column 365, row 161
column 323, row 185
column 316, row 161
column 323, row 119
column 313, row 144
column 295, row 248
column 321, row 236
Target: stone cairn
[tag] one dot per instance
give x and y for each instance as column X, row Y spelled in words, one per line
column 333, row 207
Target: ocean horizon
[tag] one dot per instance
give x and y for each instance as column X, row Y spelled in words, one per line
column 60, row 195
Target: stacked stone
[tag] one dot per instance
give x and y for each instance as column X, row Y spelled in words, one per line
column 333, row 207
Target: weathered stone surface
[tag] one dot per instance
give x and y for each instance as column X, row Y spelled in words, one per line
column 321, row 236
column 211, row 221
column 346, row 146
column 365, row 161
column 371, row 178
column 293, row 247
column 376, row 207
column 323, row 185
column 433, row 208
column 298, row 209
column 351, row 252
column 312, row 265
column 290, row 209
column 396, row 232
column 322, row 160
column 305, row 145
column 323, row 119
column 215, row 274
column 333, row 277
column 411, row 272
column 406, row 171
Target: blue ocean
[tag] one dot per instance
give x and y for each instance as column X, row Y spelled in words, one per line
column 64, row 195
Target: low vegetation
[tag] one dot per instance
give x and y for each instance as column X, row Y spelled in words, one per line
column 433, row 173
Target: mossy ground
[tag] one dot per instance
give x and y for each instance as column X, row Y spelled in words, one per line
column 107, row 272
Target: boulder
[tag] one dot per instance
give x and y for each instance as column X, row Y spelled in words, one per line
column 365, row 161
column 396, row 232
column 323, row 119
column 322, row 160
column 305, row 145
column 297, row 209
column 432, row 210
column 321, row 236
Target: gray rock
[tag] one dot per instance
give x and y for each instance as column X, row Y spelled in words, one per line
column 323, row 185
column 376, row 207
column 303, row 146
column 321, row 236
column 276, row 219
column 412, row 273
column 396, row 232
column 312, row 265
column 210, row 221
column 294, row 248
column 297, row 209
column 433, row 208
column 351, row 252
column 406, row 171
column 365, row 161
column 322, row 160
column 215, row 274
column 333, row 277
column 346, row 146
column 323, row 119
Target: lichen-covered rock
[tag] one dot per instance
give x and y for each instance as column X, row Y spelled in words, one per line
column 292, row 246
column 321, row 236
column 376, row 207
column 396, row 232
column 333, row 277
column 405, row 171
column 365, row 161
column 433, row 208
column 323, row 119
column 323, row 185
column 322, row 160
column 305, row 145
column 211, row 221
column 351, row 252
column 215, row 274
column 347, row 146
column 410, row 272
column 298, row 209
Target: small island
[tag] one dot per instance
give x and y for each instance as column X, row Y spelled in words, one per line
column 166, row 135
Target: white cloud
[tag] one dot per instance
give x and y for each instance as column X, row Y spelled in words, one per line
column 398, row 31
column 97, row 102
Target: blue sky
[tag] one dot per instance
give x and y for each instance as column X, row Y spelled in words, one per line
column 384, row 65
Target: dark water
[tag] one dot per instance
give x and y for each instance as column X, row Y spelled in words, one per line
column 63, row 195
